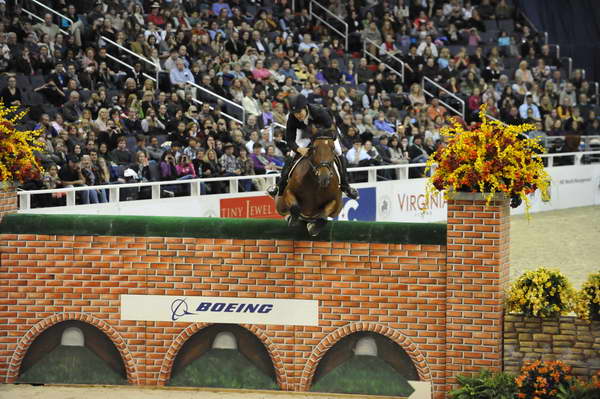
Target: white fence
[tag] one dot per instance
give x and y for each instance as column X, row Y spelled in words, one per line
column 196, row 191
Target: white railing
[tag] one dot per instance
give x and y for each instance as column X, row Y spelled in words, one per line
column 196, row 184
column 460, row 112
column 52, row 11
column 225, row 100
column 132, row 53
column 198, row 87
column 375, row 56
column 32, row 15
column 312, row 13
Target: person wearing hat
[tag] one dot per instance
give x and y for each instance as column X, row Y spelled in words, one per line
column 154, row 15
column 298, row 138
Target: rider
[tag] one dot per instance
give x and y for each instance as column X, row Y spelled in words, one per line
column 298, row 139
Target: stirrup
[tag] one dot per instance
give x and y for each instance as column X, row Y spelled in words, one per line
column 273, row 190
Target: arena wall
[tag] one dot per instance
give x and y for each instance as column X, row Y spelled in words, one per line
column 434, row 289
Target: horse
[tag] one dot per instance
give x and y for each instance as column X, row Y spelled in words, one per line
column 313, row 192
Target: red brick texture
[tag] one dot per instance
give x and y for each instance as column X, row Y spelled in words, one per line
column 8, row 200
column 477, row 270
column 446, row 314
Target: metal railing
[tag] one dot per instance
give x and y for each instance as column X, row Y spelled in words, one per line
column 460, row 112
column 196, row 184
column 312, row 13
column 132, row 53
column 367, row 42
column 52, row 11
column 32, row 15
column 198, row 87
column 569, row 62
column 556, row 48
column 218, row 98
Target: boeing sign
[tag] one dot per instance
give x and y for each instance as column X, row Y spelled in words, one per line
column 220, row 310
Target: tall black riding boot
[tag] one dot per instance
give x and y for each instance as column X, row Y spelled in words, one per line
column 350, row 191
column 273, row 191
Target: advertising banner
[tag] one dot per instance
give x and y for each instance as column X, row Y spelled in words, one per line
column 287, row 312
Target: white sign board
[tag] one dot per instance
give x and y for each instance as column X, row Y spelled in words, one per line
column 287, row 312
column 388, row 201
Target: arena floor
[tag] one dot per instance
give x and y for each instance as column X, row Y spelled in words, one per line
column 568, row 240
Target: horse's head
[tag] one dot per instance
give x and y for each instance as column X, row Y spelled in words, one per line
column 322, row 158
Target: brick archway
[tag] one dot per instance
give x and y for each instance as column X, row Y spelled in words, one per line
column 180, row 340
column 332, row 338
column 19, row 354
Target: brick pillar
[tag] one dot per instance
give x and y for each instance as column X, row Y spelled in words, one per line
column 8, row 199
column 477, row 272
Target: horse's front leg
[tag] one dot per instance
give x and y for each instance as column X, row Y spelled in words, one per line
column 331, row 209
column 287, row 204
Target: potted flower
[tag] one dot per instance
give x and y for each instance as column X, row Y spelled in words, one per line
column 492, row 157
column 541, row 293
column 588, row 298
column 543, row 380
column 17, row 160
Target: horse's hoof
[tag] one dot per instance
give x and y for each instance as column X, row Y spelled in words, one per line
column 314, row 228
column 292, row 221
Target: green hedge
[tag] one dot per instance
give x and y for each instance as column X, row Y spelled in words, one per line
column 253, row 229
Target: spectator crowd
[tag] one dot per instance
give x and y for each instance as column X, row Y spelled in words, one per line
column 131, row 91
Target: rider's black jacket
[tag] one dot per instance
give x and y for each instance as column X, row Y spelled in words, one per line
column 317, row 115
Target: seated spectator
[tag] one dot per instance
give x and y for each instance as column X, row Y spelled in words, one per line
column 259, row 72
column 382, row 125
column 151, row 124
column 250, row 104
column 356, row 154
column 306, row 44
column 90, row 174
column 181, row 77
column 52, row 181
column 416, row 95
column 273, row 157
column 261, row 163
column 121, row 155
column 71, row 176
column 11, row 94
column 185, row 168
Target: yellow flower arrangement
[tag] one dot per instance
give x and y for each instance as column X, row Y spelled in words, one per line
column 541, row 293
column 492, row 157
column 17, row 159
column 587, row 303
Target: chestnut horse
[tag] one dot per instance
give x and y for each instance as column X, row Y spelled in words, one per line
column 313, row 193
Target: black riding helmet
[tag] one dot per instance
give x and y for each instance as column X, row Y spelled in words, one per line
column 297, row 103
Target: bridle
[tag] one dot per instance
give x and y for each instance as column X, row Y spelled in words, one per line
column 317, row 166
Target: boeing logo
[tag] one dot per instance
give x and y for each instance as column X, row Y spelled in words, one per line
column 179, row 308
